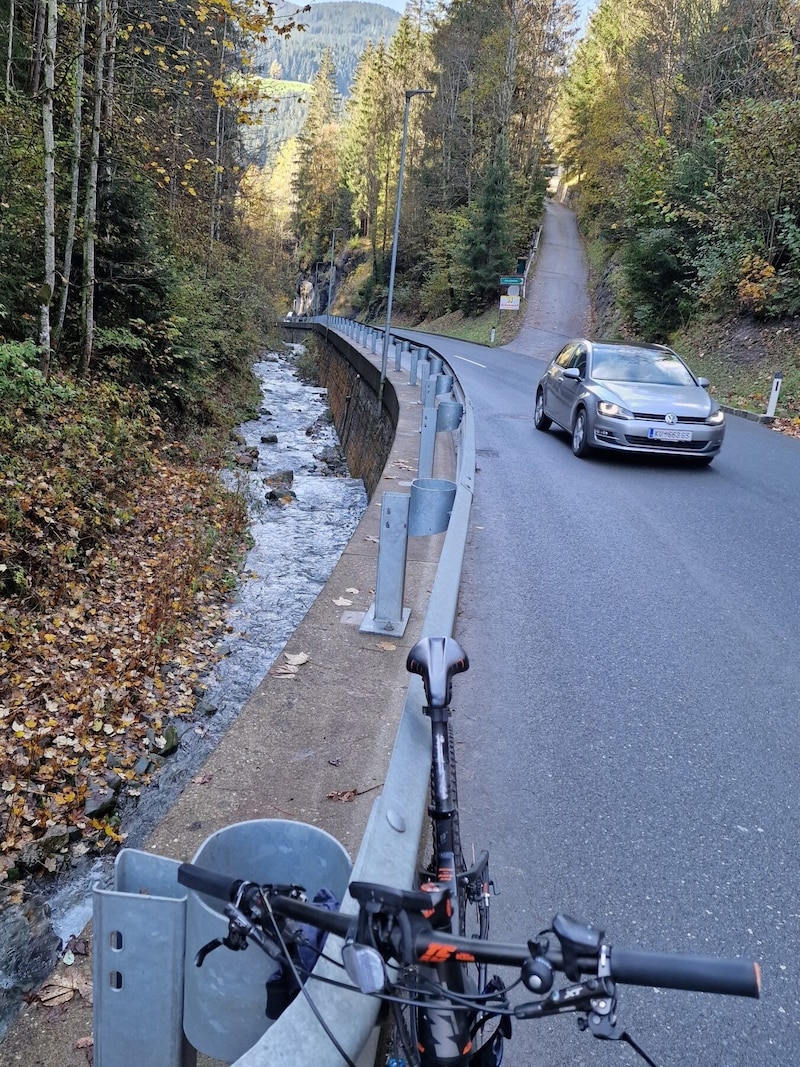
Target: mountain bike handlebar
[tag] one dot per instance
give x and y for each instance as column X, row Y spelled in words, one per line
column 582, row 949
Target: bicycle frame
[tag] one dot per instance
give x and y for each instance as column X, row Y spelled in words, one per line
column 445, row 1033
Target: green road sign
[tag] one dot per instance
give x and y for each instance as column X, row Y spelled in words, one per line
column 512, row 279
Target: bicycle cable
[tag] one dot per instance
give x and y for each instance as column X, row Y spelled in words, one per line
column 302, row 985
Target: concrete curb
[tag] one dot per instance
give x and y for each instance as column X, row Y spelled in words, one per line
column 751, row 416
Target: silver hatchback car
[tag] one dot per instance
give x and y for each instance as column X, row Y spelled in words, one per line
column 629, row 397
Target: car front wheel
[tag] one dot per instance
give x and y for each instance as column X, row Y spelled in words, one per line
column 580, row 434
column 540, row 420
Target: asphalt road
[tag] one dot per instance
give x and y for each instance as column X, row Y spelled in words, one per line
column 627, row 734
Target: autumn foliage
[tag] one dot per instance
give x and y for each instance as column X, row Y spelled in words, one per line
column 116, row 556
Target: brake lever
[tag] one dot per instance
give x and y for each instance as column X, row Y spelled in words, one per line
column 579, row 997
column 602, row 1022
column 240, row 928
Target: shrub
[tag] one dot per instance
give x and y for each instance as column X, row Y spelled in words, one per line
column 655, row 281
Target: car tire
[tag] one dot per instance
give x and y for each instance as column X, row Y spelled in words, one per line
column 580, row 436
column 540, row 420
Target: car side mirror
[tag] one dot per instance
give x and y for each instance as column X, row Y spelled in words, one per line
column 573, row 373
column 703, row 383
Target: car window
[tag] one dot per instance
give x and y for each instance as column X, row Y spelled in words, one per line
column 565, row 355
column 630, row 364
column 579, row 360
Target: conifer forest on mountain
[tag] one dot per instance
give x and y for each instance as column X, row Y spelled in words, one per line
column 160, row 196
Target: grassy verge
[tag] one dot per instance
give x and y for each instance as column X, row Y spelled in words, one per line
column 478, row 330
column 741, row 357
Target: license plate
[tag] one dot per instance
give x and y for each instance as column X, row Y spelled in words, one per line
column 669, row 435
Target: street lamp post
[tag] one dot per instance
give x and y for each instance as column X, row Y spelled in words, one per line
column 330, row 276
column 385, row 354
column 330, row 281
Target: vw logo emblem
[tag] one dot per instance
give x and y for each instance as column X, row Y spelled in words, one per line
column 670, row 418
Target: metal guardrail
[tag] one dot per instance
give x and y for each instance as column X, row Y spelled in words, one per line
column 390, row 846
column 146, row 914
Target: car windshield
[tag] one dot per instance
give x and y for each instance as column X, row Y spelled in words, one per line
column 629, row 364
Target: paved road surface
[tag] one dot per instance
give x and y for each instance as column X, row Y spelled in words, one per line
column 627, row 734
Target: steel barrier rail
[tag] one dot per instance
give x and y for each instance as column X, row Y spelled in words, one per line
column 390, row 846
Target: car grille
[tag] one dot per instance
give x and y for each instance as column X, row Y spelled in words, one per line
column 672, row 446
column 660, row 418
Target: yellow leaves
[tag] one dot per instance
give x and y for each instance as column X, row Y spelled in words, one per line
column 126, row 655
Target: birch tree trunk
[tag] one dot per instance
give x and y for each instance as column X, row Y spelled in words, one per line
column 12, row 12
column 216, row 198
column 48, row 140
column 90, row 209
column 80, row 65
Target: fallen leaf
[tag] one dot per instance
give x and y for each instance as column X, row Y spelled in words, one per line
column 341, row 602
column 296, row 659
column 386, row 646
column 354, row 591
column 284, row 670
column 84, row 1042
column 350, row 794
column 62, row 987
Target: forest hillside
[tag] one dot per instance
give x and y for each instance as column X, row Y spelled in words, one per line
column 343, row 28
column 338, row 32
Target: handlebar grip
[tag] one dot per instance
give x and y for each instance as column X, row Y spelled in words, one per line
column 702, row 974
column 213, row 884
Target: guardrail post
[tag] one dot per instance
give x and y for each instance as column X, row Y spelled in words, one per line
column 446, row 416
column 412, row 373
column 424, row 375
column 431, row 389
column 399, row 349
column 387, row 614
column 427, row 442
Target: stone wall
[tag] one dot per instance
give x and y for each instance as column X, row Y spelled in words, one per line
column 365, row 428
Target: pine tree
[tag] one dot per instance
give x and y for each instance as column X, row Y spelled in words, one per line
column 317, row 188
column 486, row 251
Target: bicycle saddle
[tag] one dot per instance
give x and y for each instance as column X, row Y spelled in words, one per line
column 437, row 659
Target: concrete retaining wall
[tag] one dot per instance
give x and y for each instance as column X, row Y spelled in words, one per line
column 365, row 430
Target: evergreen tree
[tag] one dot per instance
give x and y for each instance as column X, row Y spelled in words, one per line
column 486, row 251
column 318, row 192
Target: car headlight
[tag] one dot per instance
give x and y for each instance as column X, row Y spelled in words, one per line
column 716, row 418
column 613, row 411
